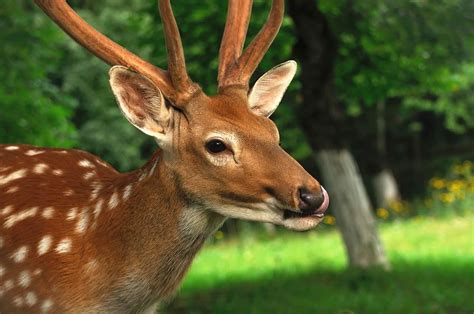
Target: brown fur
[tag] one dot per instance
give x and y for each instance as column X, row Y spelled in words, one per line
column 76, row 236
column 139, row 254
column 152, row 221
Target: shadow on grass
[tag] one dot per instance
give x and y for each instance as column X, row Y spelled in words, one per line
column 438, row 287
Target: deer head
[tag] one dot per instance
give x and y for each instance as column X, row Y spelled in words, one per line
column 223, row 149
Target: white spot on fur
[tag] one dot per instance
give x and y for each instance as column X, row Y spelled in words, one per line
column 86, row 164
column 37, row 272
column 142, row 176
column 12, row 147
column 95, row 191
column 68, row 192
column 30, row 298
column 89, row 175
column 18, row 301
column 34, row 152
column 72, row 214
column 102, row 163
column 24, row 279
column 114, row 200
column 44, row 244
column 20, row 254
column 127, row 191
column 48, row 212
column 91, row 265
column 83, row 221
column 13, row 189
column 58, row 172
column 46, row 305
column 3, row 169
column 13, row 219
column 98, row 208
column 12, row 176
column 6, row 210
column 8, row 284
column 40, row 168
column 153, row 169
column 64, row 246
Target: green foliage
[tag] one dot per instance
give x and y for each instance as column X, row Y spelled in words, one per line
column 418, row 51
column 33, row 109
column 453, row 190
column 101, row 128
column 55, row 93
column 305, row 273
column 454, row 100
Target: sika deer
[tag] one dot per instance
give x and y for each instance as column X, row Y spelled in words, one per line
column 77, row 236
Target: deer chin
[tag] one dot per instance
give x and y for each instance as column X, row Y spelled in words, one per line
column 302, row 223
column 270, row 211
column 271, row 215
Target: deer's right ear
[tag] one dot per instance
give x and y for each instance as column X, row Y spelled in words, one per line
column 140, row 101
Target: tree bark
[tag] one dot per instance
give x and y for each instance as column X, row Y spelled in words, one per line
column 384, row 182
column 351, row 206
column 385, row 188
column 323, row 120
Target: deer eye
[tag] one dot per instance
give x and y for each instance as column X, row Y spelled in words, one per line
column 215, row 146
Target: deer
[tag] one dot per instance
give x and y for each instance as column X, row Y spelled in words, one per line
column 77, row 236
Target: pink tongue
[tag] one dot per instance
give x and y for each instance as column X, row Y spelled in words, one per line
column 325, row 204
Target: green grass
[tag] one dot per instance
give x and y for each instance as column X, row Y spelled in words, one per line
column 432, row 272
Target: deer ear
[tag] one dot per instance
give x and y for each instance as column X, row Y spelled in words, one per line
column 269, row 89
column 140, row 101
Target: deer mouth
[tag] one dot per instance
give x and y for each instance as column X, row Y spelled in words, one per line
column 288, row 214
column 316, row 212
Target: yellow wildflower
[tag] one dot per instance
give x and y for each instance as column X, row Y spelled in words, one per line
column 455, row 186
column 382, row 213
column 397, row 206
column 446, row 197
column 437, row 183
column 329, row 220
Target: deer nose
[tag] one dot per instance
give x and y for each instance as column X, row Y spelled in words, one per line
column 310, row 200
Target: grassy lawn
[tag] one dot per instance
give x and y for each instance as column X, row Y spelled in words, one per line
column 432, row 272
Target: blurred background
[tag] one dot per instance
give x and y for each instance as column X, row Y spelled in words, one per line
column 381, row 110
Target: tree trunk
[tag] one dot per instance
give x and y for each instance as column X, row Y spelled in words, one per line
column 385, row 188
column 324, row 121
column 352, row 208
column 384, row 183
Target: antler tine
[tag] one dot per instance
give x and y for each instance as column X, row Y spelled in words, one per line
column 176, row 62
column 241, row 72
column 101, row 46
column 237, row 21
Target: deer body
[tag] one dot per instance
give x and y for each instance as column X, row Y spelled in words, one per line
column 128, row 231
column 78, row 236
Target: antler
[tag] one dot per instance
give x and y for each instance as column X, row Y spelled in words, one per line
column 236, row 68
column 237, row 21
column 176, row 61
column 175, row 84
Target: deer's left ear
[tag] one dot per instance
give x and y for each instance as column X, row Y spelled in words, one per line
column 269, row 89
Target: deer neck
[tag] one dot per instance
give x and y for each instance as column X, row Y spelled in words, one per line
column 155, row 232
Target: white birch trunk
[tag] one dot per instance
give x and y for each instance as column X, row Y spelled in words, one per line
column 385, row 188
column 351, row 206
